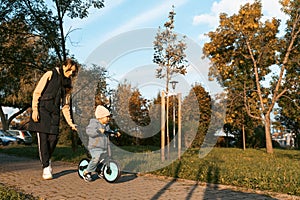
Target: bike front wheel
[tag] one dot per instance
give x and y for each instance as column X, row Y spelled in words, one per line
column 111, row 172
column 82, row 166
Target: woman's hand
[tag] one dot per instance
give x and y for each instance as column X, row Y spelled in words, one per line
column 74, row 127
column 35, row 115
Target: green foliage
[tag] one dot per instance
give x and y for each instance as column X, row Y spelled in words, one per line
column 25, row 56
column 138, row 109
column 62, row 152
column 78, row 8
column 23, row 151
column 196, row 116
column 288, row 114
column 7, row 193
column 67, row 137
column 121, row 112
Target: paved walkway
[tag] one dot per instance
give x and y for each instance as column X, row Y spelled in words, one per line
column 25, row 174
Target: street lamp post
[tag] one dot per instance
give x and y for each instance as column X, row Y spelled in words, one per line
column 174, row 114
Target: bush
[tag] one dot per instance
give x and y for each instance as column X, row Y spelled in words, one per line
column 7, row 193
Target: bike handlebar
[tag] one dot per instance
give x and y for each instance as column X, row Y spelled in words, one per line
column 111, row 133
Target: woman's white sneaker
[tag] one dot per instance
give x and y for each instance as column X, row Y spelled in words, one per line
column 47, row 175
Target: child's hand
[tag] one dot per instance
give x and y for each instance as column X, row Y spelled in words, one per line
column 118, row 134
column 101, row 130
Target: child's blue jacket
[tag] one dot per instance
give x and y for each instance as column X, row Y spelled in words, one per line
column 97, row 138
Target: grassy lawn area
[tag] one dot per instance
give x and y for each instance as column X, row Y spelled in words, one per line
column 252, row 168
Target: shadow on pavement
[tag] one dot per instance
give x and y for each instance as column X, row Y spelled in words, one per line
column 163, row 190
column 126, row 177
column 167, row 186
column 63, row 173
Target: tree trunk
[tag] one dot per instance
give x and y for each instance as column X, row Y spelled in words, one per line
column 162, row 126
column 269, row 146
column 244, row 137
column 167, row 122
column 179, row 125
column 6, row 121
column 3, row 119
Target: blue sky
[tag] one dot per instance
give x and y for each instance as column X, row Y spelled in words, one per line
column 193, row 18
column 93, row 37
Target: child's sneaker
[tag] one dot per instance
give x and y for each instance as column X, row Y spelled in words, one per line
column 100, row 175
column 87, row 176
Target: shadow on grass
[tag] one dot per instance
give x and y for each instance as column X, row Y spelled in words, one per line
column 212, row 189
column 295, row 156
column 213, row 174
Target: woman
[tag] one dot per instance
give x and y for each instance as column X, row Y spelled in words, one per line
column 51, row 92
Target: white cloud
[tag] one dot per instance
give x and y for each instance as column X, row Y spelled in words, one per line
column 211, row 20
column 270, row 9
column 223, row 6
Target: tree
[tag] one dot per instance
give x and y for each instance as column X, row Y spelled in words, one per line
column 131, row 113
column 196, row 115
column 237, row 121
column 288, row 115
column 22, row 57
column 139, row 113
column 48, row 20
column 169, row 54
column 243, row 46
column 120, row 109
column 289, row 104
column 33, row 40
column 90, row 90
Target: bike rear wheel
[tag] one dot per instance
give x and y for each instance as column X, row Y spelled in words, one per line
column 112, row 172
column 82, row 166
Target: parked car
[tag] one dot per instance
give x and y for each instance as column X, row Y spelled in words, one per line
column 23, row 135
column 7, row 139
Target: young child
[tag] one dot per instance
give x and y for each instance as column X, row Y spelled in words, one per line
column 97, row 139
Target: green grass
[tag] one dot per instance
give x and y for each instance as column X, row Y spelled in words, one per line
column 252, row 168
column 61, row 153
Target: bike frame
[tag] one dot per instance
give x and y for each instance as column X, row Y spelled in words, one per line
column 108, row 174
